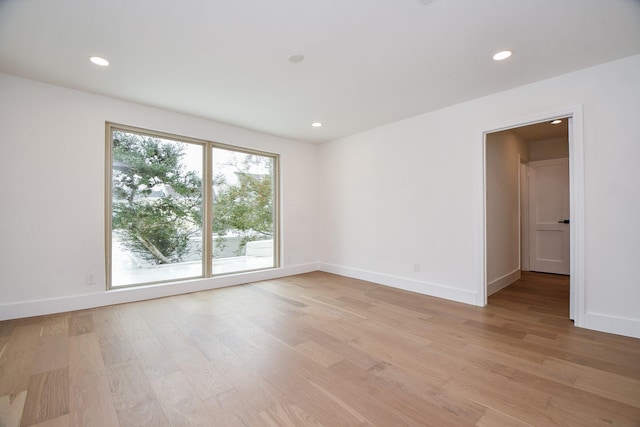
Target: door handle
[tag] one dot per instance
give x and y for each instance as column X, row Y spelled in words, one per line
column 563, row 221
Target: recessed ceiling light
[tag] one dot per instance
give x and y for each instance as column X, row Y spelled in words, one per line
column 316, row 124
column 556, row 122
column 502, row 55
column 99, row 61
column 296, row 58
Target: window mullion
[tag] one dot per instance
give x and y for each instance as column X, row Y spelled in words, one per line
column 207, row 235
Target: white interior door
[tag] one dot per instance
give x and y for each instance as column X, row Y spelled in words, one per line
column 549, row 226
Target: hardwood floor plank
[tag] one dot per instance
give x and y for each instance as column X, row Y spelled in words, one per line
column 386, row 393
column 47, row 397
column 295, row 389
column 11, row 408
column 179, row 401
column 55, row 324
column 152, row 358
column 85, row 358
column 259, row 288
column 256, row 393
column 7, row 327
column 509, row 332
column 288, row 415
column 117, row 352
column 623, row 351
column 278, row 303
column 170, row 336
column 282, row 328
column 361, row 419
column 512, row 359
column 320, row 350
column 494, row 418
column 209, row 345
column 402, row 357
column 584, row 359
column 24, row 338
column 107, row 327
column 287, row 375
column 612, row 386
column 319, row 354
column 155, row 311
column 81, row 324
column 204, row 375
column 230, row 409
column 190, row 324
column 418, row 325
column 91, row 402
column 132, row 323
column 52, row 354
column 3, row 345
column 147, row 414
column 453, row 404
column 129, row 385
column 594, row 407
column 283, row 376
column 63, row 421
column 567, row 412
column 15, row 371
column 497, row 393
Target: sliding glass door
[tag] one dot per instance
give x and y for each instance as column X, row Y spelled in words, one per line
column 181, row 208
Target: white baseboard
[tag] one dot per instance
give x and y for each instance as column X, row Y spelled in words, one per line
column 598, row 322
column 612, row 324
column 119, row 296
column 503, row 282
column 425, row 288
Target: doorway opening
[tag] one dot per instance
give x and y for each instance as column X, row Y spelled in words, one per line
column 536, row 293
column 533, row 204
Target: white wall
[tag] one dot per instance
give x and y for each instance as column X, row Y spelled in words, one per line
column 52, row 175
column 545, row 149
column 504, row 152
column 406, row 193
column 412, row 192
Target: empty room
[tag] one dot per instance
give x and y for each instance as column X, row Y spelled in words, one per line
column 336, row 213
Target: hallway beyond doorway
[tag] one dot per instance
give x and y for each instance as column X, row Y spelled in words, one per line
column 536, row 292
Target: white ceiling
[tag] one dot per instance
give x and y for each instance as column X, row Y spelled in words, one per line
column 366, row 62
column 543, row 131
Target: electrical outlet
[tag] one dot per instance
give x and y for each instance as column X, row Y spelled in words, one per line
column 416, row 267
column 91, row 278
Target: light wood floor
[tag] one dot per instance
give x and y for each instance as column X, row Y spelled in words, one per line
column 320, row 350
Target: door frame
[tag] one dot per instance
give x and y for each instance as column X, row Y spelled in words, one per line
column 576, row 204
column 524, row 217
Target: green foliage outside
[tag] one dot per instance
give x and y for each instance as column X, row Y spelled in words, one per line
column 246, row 206
column 157, row 204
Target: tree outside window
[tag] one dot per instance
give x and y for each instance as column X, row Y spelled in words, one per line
column 158, row 213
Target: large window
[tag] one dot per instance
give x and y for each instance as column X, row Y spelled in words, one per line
column 180, row 208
